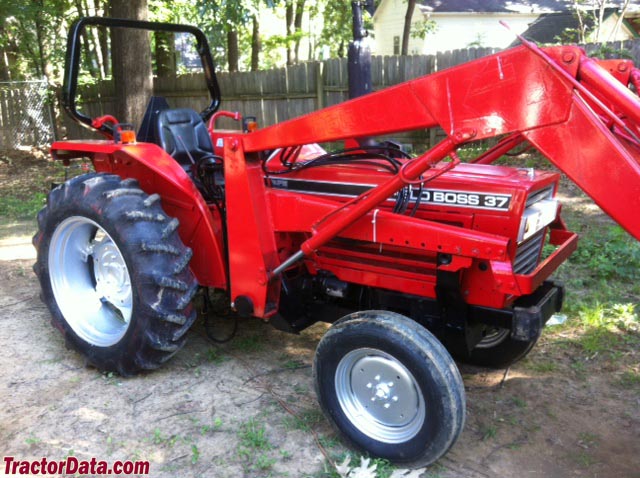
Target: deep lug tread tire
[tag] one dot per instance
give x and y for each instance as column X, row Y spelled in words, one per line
column 162, row 283
column 434, row 371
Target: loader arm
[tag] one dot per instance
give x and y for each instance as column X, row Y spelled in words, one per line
column 518, row 93
column 572, row 109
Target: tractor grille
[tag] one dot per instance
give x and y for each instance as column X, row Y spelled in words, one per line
column 545, row 193
column 528, row 253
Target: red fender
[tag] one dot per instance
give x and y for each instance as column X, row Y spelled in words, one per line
column 157, row 172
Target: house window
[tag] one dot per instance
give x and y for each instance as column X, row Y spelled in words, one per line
column 396, row 45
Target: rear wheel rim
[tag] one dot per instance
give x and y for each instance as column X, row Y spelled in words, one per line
column 379, row 396
column 493, row 338
column 90, row 281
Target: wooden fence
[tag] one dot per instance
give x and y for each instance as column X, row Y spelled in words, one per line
column 279, row 94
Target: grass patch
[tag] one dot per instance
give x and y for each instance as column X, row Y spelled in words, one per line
column 248, row 344
column 17, row 208
column 253, row 436
column 254, row 446
column 488, row 432
column 214, row 356
column 541, row 366
column 605, row 327
column 612, row 254
column 630, row 379
column 305, row 420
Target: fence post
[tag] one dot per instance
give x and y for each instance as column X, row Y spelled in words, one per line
column 319, row 85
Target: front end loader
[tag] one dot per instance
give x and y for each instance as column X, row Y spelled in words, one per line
column 414, row 260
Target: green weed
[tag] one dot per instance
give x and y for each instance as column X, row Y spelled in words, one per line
column 542, row 366
column 518, row 402
column 20, row 208
column 604, row 327
column 214, row 356
column 629, row 379
column 159, row 439
column 305, row 420
column 217, row 424
column 32, row 440
column 248, row 344
column 253, row 436
column 614, row 254
column 263, row 462
column 254, row 446
column 488, row 432
column 195, row 454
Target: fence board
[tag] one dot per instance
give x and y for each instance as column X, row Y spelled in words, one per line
column 273, row 95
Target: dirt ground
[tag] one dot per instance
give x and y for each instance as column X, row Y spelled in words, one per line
column 200, row 414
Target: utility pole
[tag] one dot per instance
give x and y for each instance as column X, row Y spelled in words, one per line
column 359, row 55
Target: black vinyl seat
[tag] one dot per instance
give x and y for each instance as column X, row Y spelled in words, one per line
column 183, row 134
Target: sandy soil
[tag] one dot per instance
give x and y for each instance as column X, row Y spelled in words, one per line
column 531, row 424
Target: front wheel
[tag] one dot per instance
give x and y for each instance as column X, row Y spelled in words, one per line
column 390, row 387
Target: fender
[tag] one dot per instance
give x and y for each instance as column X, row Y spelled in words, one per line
column 157, row 172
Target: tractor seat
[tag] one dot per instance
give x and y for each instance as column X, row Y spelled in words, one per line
column 183, row 134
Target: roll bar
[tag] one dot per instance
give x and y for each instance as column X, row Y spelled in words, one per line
column 72, row 61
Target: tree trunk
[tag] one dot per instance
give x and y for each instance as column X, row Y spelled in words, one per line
column 406, row 33
column 289, row 23
column 90, row 61
column 297, row 23
column 5, row 72
column 165, row 54
column 622, row 12
column 95, row 41
column 103, row 37
column 232, row 50
column 45, row 67
column 131, row 63
column 255, row 44
column 602, row 4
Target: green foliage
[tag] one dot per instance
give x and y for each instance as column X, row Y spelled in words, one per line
column 254, row 446
column 13, row 207
column 422, row 28
column 253, row 436
column 248, row 344
column 306, row 420
column 605, row 327
column 195, row 454
column 630, row 379
column 488, row 432
column 612, row 254
column 605, row 51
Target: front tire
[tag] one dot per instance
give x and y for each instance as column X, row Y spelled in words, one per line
column 114, row 273
column 390, row 387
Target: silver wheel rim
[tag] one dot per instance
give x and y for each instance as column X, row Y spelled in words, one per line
column 493, row 338
column 90, row 281
column 379, row 396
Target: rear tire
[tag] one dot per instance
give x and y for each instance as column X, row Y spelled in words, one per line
column 390, row 387
column 114, row 273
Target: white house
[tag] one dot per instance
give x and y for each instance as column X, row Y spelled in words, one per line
column 548, row 27
column 459, row 23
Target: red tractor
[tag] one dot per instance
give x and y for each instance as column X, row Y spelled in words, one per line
column 413, row 259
